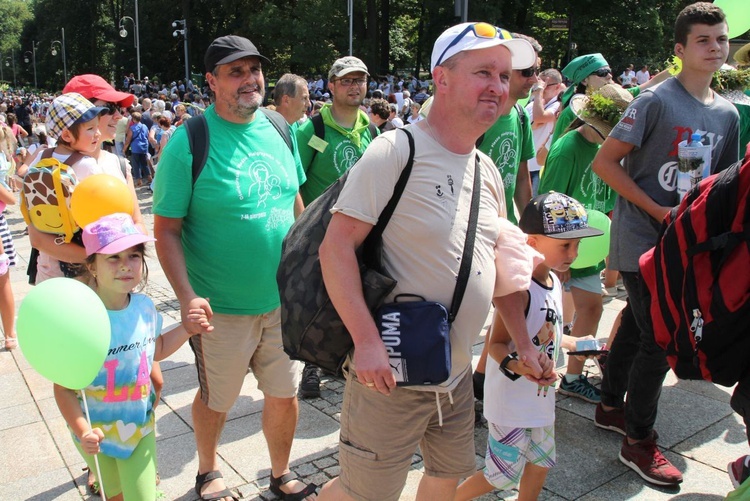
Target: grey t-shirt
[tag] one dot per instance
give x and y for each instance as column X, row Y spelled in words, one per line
column 655, row 123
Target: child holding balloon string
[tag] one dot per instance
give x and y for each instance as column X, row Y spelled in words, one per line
column 120, row 399
column 568, row 170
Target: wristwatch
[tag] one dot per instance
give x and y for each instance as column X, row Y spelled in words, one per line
column 504, row 366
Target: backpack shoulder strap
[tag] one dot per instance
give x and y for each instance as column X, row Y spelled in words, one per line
column 46, row 153
column 198, row 141
column 478, row 143
column 318, row 127
column 373, row 130
column 280, row 124
column 123, row 167
column 73, row 159
column 521, row 116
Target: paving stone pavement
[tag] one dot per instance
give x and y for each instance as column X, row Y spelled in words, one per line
column 38, row 461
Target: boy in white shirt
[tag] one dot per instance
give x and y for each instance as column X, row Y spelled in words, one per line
column 521, row 413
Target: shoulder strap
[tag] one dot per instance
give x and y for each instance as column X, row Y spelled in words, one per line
column 280, row 124
column 198, row 141
column 123, row 167
column 521, row 115
column 373, row 130
column 73, row 159
column 319, row 130
column 478, row 143
column 371, row 245
column 468, row 253
column 46, row 153
column 318, row 126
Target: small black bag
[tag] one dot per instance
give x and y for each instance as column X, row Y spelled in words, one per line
column 311, row 329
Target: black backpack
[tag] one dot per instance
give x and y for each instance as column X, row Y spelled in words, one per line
column 311, row 329
column 198, row 139
column 698, row 278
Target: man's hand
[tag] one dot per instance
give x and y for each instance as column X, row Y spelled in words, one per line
column 373, row 368
column 199, row 317
column 530, row 359
column 90, row 441
column 197, row 303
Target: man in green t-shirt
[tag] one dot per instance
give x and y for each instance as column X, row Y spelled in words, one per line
column 509, row 142
column 346, row 127
column 219, row 236
column 347, row 133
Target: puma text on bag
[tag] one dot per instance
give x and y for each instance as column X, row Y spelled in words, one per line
column 698, row 276
column 311, row 329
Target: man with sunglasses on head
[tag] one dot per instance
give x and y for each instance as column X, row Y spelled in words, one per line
column 329, row 144
column 382, row 423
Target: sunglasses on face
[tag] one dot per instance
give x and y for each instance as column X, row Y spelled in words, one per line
column 480, row 30
column 111, row 108
column 530, row 72
column 603, row 72
column 348, row 82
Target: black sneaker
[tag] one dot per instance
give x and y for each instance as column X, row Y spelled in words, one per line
column 309, row 387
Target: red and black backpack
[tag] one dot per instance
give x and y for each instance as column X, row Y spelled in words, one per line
column 698, row 276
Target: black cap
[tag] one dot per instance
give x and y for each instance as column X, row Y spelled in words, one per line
column 556, row 215
column 229, row 48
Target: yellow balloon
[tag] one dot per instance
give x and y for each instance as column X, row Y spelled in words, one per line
column 100, row 195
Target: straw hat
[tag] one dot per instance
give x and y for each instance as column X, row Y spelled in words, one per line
column 619, row 97
column 742, row 56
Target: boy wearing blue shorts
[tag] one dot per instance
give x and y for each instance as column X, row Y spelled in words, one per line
column 520, row 413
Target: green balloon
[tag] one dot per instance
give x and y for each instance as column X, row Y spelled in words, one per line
column 64, row 332
column 593, row 250
column 738, row 16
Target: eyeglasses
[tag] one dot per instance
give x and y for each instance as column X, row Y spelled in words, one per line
column 530, row 72
column 603, row 72
column 348, row 82
column 481, row 30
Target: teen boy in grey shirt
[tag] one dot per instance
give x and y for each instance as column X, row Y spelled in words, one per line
column 646, row 138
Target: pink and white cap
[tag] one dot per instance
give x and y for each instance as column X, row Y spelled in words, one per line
column 112, row 234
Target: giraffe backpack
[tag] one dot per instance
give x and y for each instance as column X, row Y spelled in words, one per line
column 47, row 188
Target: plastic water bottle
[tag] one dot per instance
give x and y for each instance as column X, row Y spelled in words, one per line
column 693, row 163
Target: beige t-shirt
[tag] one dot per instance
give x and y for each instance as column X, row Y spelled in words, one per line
column 424, row 240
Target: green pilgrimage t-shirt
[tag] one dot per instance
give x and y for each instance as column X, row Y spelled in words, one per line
column 567, row 117
column 508, row 145
column 236, row 215
column 344, row 147
column 568, row 170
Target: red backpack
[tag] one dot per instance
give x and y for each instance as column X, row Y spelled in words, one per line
column 698, row 276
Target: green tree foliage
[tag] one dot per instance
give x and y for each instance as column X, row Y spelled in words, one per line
column 305, row 36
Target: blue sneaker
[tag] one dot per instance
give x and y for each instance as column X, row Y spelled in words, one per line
column 581, row 388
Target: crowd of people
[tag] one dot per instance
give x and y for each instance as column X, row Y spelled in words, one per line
column 506, row 155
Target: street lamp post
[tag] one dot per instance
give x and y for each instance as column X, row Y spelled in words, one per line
column 12, row 61
column 137, row 38
column 54, row 53
column 350, row 9
column 182, row 23
column 33, row 59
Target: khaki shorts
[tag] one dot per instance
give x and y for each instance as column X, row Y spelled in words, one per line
column 380, row 434
column 239, row 342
